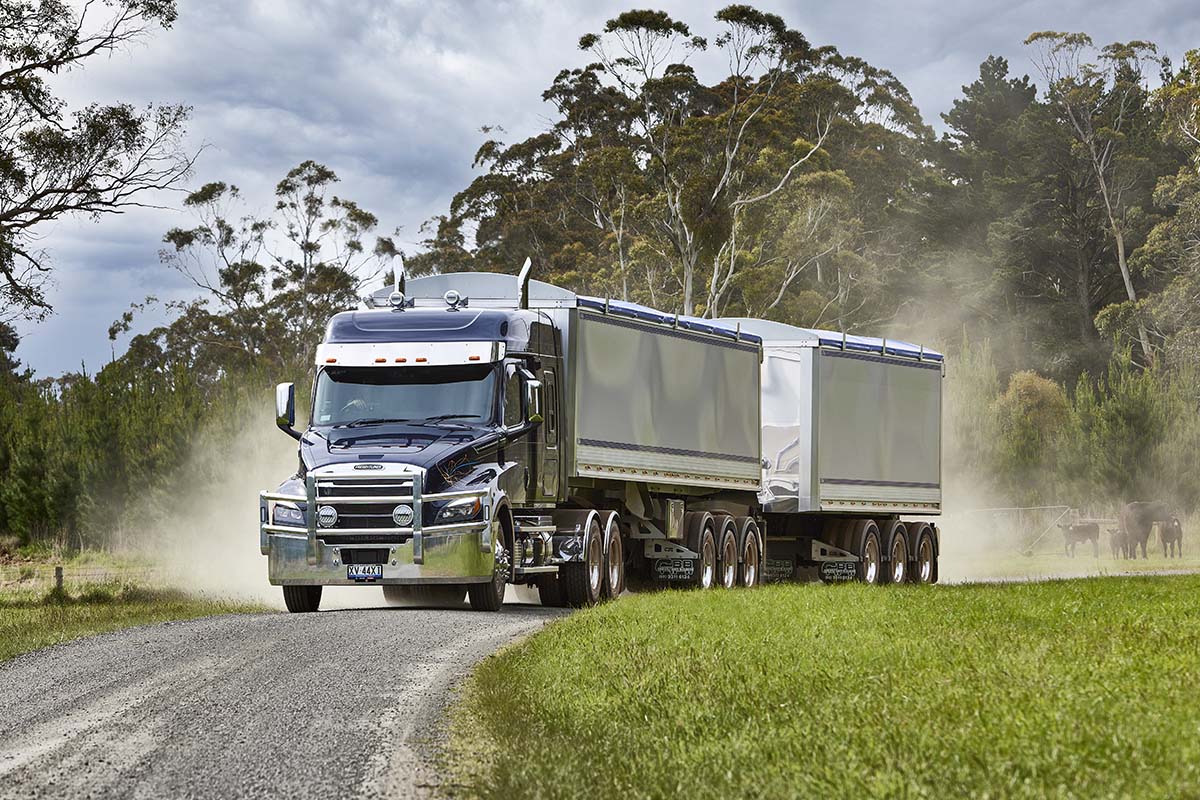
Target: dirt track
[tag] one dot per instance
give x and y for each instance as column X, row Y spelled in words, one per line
column 336, row 704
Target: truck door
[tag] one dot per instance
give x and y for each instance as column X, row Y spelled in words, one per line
column 547, row 453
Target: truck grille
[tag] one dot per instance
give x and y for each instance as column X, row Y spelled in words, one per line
column 360, row 515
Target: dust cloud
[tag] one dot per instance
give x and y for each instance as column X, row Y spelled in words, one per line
column 204, row 531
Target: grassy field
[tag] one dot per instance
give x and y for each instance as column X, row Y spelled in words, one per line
column 30, row 619
column 1084, row 688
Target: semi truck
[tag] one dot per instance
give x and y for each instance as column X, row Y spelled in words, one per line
column 474, row 430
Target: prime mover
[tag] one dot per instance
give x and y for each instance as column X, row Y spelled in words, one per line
column 473, row 430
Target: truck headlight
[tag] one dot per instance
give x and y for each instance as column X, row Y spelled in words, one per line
column 288, row 514
column 461, row 510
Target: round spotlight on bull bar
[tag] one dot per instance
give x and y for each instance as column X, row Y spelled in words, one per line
column 452, row 298
column 396, row 299
column 402, row 515
column 327, row 516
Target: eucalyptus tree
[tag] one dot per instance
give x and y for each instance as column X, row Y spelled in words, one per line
column 99, row 159
column 1104, row 103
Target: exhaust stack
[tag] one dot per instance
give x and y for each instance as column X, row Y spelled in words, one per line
column 523, row 284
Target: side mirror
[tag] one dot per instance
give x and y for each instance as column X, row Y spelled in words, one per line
column 285, row 409
column 533, row 399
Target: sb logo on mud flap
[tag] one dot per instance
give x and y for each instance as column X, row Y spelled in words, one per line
column 674, row 569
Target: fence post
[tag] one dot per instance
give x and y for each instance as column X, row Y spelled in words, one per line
column 58, row 580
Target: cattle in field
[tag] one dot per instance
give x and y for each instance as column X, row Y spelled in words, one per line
column 1078, row 532
column 1171, row 533
column 1137, row 520
column 1116, row 542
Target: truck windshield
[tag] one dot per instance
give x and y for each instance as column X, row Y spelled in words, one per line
column 362, row 395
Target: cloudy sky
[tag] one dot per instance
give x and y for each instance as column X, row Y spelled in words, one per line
column 391, row 95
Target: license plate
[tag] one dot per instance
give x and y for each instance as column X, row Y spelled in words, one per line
column 364, row 572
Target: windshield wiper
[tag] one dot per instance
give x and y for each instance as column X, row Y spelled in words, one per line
column 443, row 417
column 359, row 423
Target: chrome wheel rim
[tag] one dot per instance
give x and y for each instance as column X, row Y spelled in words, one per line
column 899, row 561
column 708, row 558
column 729, row 563
column 750, row 564
column 595, row 562
column 871, row 560
column 925, row 560
column 615, row 561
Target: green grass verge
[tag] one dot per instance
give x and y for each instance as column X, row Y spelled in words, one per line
column 1081, row 688
column 29, row 620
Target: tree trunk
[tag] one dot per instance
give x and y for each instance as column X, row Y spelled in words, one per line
column 1143, row 335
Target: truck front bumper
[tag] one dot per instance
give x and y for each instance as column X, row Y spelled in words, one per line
column 414, row 553
column 450, row 556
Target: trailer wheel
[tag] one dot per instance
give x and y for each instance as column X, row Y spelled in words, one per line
column 614, row 563
column 751, row 553
column 870, row 552
column 898, row 553
column 490, row 596
column 702, row 541
column 725, row 536
column 925, row 570
column 582, row 582
column 302, row 599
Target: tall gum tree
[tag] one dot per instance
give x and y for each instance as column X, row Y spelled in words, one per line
column 1100, row 102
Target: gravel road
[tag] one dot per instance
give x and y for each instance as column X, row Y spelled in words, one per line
column 337, row 704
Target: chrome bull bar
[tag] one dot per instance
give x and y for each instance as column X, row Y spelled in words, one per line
column 416, row 498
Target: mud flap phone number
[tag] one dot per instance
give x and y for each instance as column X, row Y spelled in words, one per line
column 364, row 572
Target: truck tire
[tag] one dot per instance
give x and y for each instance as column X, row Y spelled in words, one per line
column 490, row 596
column 302, row 599
column 582, row 582
column 869, row 551
column 925, row 568
column 702, row 541
column 437, row 594
column 614, row 564
column 725, row 536
column 550, row 591
column 898, row 553
column 751, row 553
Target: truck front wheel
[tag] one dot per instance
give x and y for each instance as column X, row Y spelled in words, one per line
column 490, row 596
column 302, row 599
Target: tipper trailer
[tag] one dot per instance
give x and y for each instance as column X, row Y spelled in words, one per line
column 472, row 430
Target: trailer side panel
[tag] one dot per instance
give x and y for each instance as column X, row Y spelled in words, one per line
column 660, row 405
column 878, row 433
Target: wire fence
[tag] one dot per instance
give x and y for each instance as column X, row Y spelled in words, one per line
column 1029, row 530
column 47, row 576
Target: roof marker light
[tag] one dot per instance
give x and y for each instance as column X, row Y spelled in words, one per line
column 401, row 360
column 331, row 361
column 472, row 358
column 421, row 360
column 381, row 361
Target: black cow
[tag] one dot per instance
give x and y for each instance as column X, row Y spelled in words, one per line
column 1077, row 532
column 1171, row 533
column 1116, row 541
column 1137, row 520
